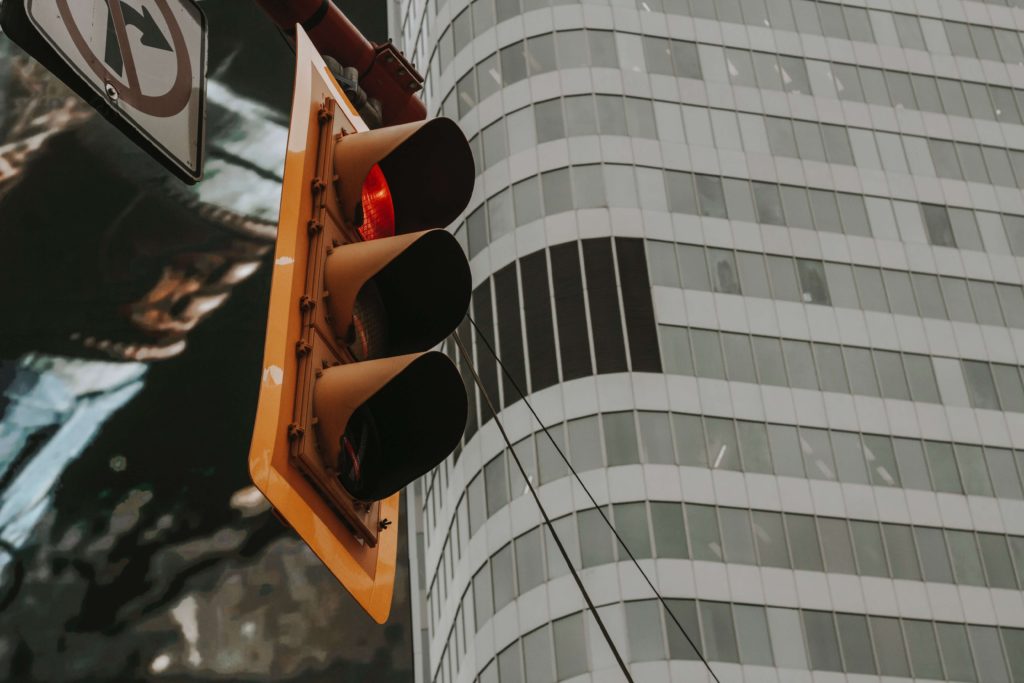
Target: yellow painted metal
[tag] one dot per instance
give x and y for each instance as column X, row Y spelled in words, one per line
column 366, row 570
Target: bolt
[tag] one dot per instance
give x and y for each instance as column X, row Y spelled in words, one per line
column 111, row 91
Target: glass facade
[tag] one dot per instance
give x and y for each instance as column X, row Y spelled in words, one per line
column 758, row 266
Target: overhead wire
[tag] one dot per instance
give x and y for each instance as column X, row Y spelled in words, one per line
column 547, row 520
column 586, row 490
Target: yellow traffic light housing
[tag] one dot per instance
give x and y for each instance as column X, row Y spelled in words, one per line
column 353, row 404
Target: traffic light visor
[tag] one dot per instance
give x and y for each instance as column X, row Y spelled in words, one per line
column 397, row 295
column 427, row 168
column 383, row 423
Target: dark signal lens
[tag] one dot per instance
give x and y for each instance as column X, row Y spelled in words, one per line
column 378, row 210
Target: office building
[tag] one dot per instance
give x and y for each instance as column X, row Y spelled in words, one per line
column 758, row 265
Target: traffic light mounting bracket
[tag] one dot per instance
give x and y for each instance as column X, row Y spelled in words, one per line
column 317, row 349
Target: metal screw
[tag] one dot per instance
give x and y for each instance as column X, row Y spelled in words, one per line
column 111, row 91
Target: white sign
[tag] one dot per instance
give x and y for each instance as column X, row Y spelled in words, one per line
column 146, row 58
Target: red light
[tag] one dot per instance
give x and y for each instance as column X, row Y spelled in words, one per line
column 378, row 211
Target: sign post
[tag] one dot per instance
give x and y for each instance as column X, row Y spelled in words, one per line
column 140, row 63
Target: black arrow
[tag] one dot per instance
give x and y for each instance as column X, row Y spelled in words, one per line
column 152, row 36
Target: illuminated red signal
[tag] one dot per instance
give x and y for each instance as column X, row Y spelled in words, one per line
column 378, row 209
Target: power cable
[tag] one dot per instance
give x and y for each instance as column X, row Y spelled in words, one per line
column 576, row 475
column 543, row 512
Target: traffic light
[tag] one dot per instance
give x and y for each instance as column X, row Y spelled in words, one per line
column 353, row 404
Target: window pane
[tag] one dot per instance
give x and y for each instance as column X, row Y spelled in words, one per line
column 753, row 440
column 881, row 461
column 934, row 558
column 803, row 542
column 598, row 546
column 899, row 545
column 966, row 561
column 669, row 531
column 770, row 538
column 693, row 267
column 921, row 373
column 998, row 566
column 503, row 577
column 539, row 657
column 719, row 636
column 631, row 523
column 890, row 370
column 799, row 364
column 770, row 366
column 496, row 481
column 712, row 200
column 705, row 543
column 786, row 452
column 1005, row 479
column 813, row 287
column 643, row 625
column 836, row 542
column 867, row 542
column 570, row 646
column 1011, row 393
column 707, row 354
column 821, row 641
column 888, row 639
column 685, row 612
column 955, row 651
column 752, row 635
column 510, row 664
column 851, row 464
column 861, row 371
column 988, row 654
column 911, row 464
column 723, row 271
column 817, row 452
column 942, row 465
column 529, row 560
column 973, row 471
column 690, row 439
column 736, row 536
column 856, row 642
column 980, row 385
column 924, row 652
column 739, row 359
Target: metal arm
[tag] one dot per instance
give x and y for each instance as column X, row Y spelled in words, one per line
column 384, row 72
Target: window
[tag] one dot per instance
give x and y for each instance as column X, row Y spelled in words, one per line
column 585, row 443
column 669, row 531
column 705, row 541
column 598, row 548
column 657, row 438
column 529, row 560
column 803, row 542
column 719, row 634
column 867, row 543
column 770, row 538
column 980, row 385
column 631, row 523
column 644, row 629
column 821, row 641
column 722, row 265
column 813, row 286
column 538, row 656
column 856, row 643
column 736, row 535
column 899, row 545
column 752, row 635
column 570, row 646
